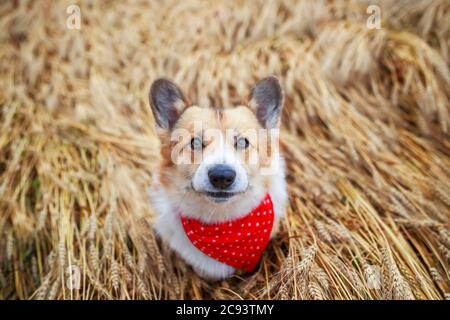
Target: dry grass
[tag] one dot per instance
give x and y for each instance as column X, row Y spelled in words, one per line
column 365, row 132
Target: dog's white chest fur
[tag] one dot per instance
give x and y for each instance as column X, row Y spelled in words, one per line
column 168, row 225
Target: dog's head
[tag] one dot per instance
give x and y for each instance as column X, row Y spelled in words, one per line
column 217, row 156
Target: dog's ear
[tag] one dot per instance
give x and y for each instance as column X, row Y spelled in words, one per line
column 266, row 98
column 167, row 102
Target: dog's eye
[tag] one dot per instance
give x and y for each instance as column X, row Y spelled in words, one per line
column 242, row 143
column 196, row 144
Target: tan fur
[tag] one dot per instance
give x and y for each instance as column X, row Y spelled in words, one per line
column 240, row 119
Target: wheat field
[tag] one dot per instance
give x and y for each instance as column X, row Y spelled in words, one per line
column 365, row 134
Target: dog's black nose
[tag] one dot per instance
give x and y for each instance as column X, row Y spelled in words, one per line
column 221, row 176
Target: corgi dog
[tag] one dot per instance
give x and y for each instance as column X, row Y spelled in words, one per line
column 219, row 191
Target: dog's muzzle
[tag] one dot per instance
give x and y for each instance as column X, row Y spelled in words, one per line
column 221, row 176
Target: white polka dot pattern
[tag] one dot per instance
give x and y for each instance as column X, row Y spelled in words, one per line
column 238, row 243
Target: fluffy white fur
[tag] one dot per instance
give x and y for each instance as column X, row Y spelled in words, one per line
column 168, row 206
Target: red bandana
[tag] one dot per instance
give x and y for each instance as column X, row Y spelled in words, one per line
column 238, row 243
